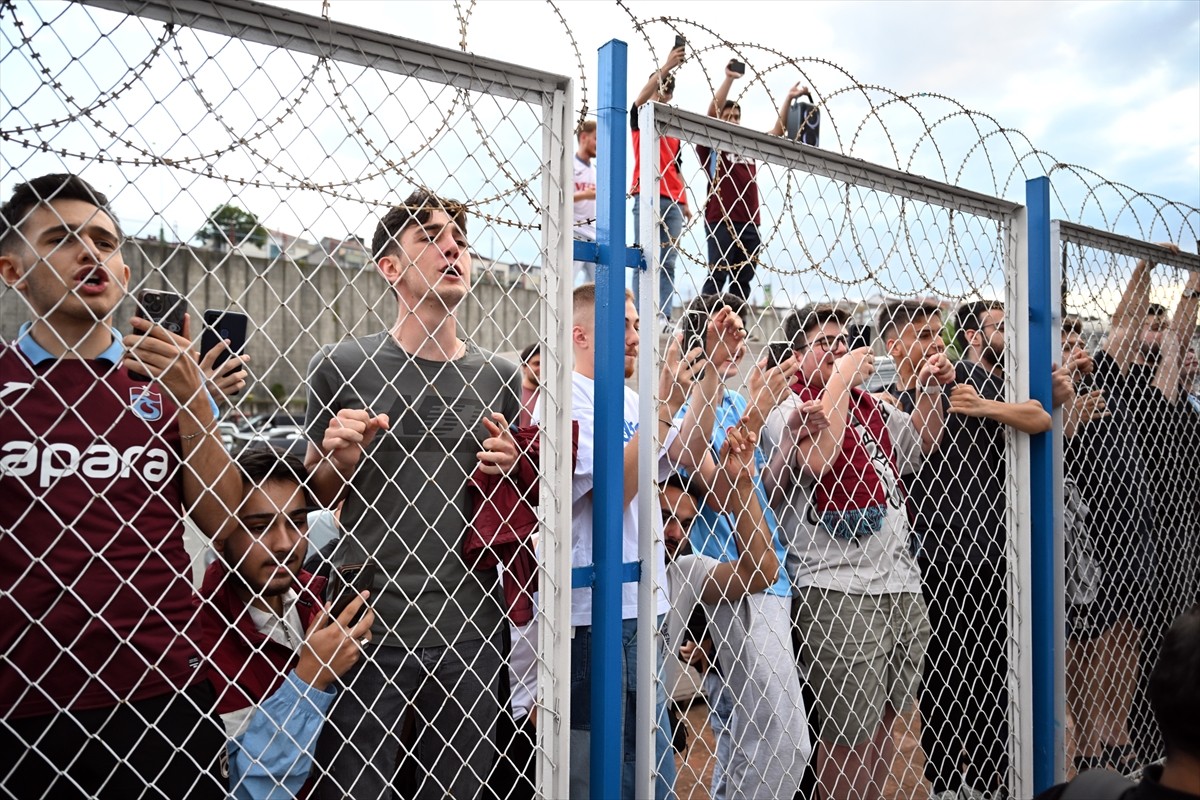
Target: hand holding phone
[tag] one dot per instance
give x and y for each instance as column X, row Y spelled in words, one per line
column 164, row 308
column 695, row 328
column 346, row 583
column 777, row 353
column 219, row 327
column 736, row 67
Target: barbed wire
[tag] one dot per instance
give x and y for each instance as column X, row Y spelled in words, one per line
column 1007, row 154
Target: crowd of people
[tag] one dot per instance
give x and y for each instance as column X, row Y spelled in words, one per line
column 731, row 207
column 828, row 557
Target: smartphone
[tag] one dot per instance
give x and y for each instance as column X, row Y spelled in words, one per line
column 777, row 353
column 737, row 66
column 165, row 308
column 346, row 582
column 680, row 41
column 694, row 326
column 219, row 326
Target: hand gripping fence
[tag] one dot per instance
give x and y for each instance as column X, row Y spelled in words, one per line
column 875, row 545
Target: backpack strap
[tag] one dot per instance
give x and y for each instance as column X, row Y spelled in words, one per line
column 1097, row 784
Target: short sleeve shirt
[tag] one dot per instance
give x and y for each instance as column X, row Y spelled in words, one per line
column 407, row 506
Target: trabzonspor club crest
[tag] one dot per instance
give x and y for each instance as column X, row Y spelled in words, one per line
column 145, row 403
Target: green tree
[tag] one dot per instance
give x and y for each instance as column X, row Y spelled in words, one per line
column 230, row 224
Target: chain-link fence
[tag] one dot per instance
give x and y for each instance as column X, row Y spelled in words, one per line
column 836, row 580
column 889, row 499
column 376, row 226
column 1131, row 428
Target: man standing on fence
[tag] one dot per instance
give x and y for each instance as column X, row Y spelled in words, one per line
column 397, row 421
column 672, row 205
column 959, row 521
column 585, row 194
column 838, row 491
column 731, row 214
column 101, row 692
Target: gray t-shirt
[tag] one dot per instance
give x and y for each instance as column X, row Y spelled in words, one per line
column 407, row 506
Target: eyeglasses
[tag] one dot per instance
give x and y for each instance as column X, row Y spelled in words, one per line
column 827, row 343
column 259, row 525
column 996, row 326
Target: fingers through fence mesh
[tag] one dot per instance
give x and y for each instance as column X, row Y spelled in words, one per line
column 300, row 424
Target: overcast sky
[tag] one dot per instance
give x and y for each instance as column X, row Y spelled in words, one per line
column 1112, row 86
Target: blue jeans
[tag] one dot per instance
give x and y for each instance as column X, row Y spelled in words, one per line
column 720, row 711
column 670, row 219
column 581, row 717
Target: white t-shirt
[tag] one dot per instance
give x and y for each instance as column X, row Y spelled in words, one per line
column 583, row 403
column 585, row 178
column 881, row 563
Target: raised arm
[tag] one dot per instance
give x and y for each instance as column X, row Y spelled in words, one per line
column 722, row 93
column 757, row 565
column 212, row 486
column 928, row 414
column 798, row 423
column 816, row 455
column 781, row 119
column 1130, row 315
column 1167, row 378
column 674, row 59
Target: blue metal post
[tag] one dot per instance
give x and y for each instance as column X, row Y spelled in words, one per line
column 607, row 505
column 1041, row 476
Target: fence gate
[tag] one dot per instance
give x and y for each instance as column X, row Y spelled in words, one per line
column 250, row 153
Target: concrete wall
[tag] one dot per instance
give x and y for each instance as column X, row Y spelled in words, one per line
column 295, row 309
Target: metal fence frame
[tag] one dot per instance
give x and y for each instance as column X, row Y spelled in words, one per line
column 1032, row 275
column 554, row 94
column 656, row 120
column 1046, row 238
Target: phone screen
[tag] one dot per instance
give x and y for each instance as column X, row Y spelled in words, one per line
column 221, row 325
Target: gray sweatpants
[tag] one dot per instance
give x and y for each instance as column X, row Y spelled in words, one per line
column 769, row 727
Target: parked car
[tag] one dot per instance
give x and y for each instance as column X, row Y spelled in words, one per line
column 289, row 438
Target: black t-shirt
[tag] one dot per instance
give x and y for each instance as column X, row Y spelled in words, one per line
column 957, row 500
column 1106, row 460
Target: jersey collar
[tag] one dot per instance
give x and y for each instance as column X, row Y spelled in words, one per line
column 38, row 354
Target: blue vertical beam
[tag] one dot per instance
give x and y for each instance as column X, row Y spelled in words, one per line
column 607, row 494
column 1041, row 476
